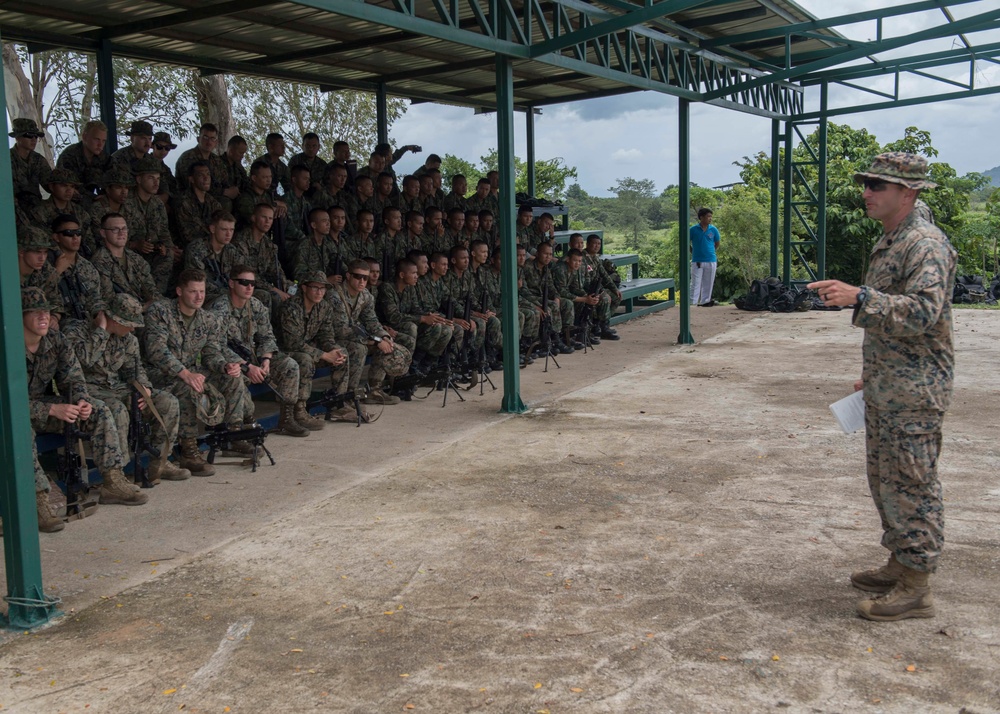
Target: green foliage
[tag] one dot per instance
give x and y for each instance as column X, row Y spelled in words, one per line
column 452, row 165
column 744, row 220
column 551, row 175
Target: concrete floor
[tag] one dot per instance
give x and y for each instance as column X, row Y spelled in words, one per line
column 671, row 536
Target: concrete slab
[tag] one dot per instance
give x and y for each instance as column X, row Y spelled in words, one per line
column 675, row 536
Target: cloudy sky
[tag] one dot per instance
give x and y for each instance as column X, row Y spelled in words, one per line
column 636, row 135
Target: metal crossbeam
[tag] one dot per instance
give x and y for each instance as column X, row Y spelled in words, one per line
column 177, row 18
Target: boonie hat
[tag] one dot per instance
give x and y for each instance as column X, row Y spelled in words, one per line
column 162, row 137
column 33, row 238
column 63, row 176
column 117, row 175
column 148, row 165
column 125, row 310
column 317, row 277
column 33, row 299
column 908, row 170
column 25, row 127
column 140, row 128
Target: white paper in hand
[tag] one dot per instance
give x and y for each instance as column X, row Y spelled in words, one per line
column 850, row 412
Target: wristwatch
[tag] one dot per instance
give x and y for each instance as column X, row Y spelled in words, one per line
column 376, row 339
column 862, row 295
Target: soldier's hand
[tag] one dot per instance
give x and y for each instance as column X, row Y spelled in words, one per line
column 859, row 385
column 101, row 320
column 231, row 192
column 86, row 409
column 835, row 292
column 193, row 379
column 334, row 357
column 142, row 404
column 144, row 247
column 65, row 412
column 255, row 373
column 392, row 332
column 54, row 320
column 335, row 279
column 232, row 369
column 282, row 295
column 385, row 347
column 178, row 253
column 280, row 209
column 63, row 262
column 593, row 299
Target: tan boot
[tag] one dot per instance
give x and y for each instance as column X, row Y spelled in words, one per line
column 115, row 488
column 304, row 418
column 47, row 522
column 909, row 597
column 192, row 458
column 288, row 424
column 878, row 580
column 378, row 396
column 167, row 470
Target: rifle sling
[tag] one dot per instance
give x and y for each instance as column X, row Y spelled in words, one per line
column 148, row 396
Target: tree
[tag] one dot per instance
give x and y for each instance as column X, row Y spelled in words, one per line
column 452, row 166
column 629, row 214
column 744, row 221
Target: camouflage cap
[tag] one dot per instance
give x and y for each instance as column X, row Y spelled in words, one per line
column 25, row 127
column 33, row 299
column 162, row 137
column 317, row 277
column 117, row 175
column 140, row 128
column 33, row 238
column 908, row 170
column 148, row 165
column 125, row 310
column 62, row 176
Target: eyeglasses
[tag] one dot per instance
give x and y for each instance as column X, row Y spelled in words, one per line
column 161, row 147
column 359, row 276
column 70, row 232
column 245, row 282
column 116, row 229
column 875, row 184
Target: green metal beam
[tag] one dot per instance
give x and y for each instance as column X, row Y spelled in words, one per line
column 786, row 226
column 529, row 135
column 898, row 103
column 821, row 189
column 27, row 606
column 775, row 194
column 904, row 64
column 382, row 114
column 724, row 17
column 177, row 18
column 683, row 205
column 447, row 68
column 969, row 23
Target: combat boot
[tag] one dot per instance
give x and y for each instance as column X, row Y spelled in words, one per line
column 288, row 425
column 167, row 470
column 304, row 418
column 192, row 458
column 608, row 333
column 47, row 523
column 115, row 488
column 878, row 580
column 378, row 396
column 909, row 597
column 570, row 340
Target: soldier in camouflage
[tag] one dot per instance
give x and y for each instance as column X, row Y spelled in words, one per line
column 122, row 270
column 593, row 266
column 309, row 157
column 148, row 226
column 227, row 172
column 194, row 208
column 537, row 276
column 29, row 169
column 336, row 194
column 248, row 333
column 78, row 282
column 170, row 187
column 364, row 242
column 236, row 178
column 185, row 355
column 399, row 307
column 482, row 199
column 256, row 249
column 428, row 194
column 298, row 207
column 456, row 199
column 460, row 284
column 50, row 359
column 62, row 188
column 320, row 251
column 569, row 276
column 409, row 198
column 275, row 145
column 140, row 136
column 907, row 376
column 33, row 246
column 87, row 159
column 116, row 183
column 525, row 216
column 217, row 256
column 485, row 303
column 110, row 359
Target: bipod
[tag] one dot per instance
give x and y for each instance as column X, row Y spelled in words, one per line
column 546, row 344
column 449, row 383
column 483, row 374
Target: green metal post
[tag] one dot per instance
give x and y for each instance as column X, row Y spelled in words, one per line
column 106, row 94
column 382, row 114
column 775, row 193
column 821, row 189
column 529, row 133
column 27, row 605
column 786, row 265
column 684, row 202
column 512, row 403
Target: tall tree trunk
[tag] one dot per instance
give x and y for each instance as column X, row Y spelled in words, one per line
column 214, row 105
column 19, row 97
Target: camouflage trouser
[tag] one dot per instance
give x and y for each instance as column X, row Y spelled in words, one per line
column 105, row 443
column 478, row 337
column 307, row 369
column 239, row 406
column 601, row 312
column 41, row 480
column 567, row 315
column 407, row 336
column 903, row 450
column 530, row 321
column 393, row 364
column 433, row 339
column 283, row 378
column 161, row 266
column 615, row 301
column 494, row 334
column 119, row 401
column 356, row 354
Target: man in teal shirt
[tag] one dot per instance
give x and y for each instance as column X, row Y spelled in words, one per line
column 704, row 240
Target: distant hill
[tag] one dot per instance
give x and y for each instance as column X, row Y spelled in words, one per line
column 994, row 175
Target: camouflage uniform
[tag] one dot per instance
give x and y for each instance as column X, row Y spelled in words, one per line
column 193, row 217
column 47, row 280
column 523, row 236
column 316, row 166
column 222, row 173
column 359, row 246
column 461, row 289
column 305, row 336
column 99, row 208
column 486, row 296
column 250, row 327
column 110, row 363
column 29, row 175
column 532, row 238
column 247, row 201
column 309, row 258
column 424, row 298
column 90, row 173
column 127, row 159
column 534, row 279
column 173, row 344
column 78, row 285
column 389, row 307
column 453, row 200
column 262, row 257
column 908, row 374
column 279, row 174
column 216, row 265
column 360, row 311
column 296, row 228
column 324, row 199
column 594, row 265
column 570, row 285
column 128, row 274
column 47, row 211
column 490, row 203
column 148, row 221
column 410, row 204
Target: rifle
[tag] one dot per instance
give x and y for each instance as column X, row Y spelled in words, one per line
column 583, row 321
column 545, row 329
column 387, row 264
column 72, row 468
column 463, row 354
column 220, row 438
column 213, row 268
column 338, row 267
column 485, row 349
column 331, row 400
column 138, row 442
column 70, row 290
column 447, row 380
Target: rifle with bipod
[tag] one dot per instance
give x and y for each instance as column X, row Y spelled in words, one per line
column 447, row 381
column 467, row 338
column 216, row 276
column 545, row 328
column 221, row 438
column 485, row 349
column 72, row 468
column 583, row 320
column 138, row 441
column 332, row 401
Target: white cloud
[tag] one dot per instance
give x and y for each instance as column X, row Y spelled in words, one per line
column 628, row 156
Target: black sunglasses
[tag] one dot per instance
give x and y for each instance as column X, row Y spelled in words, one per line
column 875, row 184
column 245, row 282
column 161, row 147
column 359, row 276
column 70, row 232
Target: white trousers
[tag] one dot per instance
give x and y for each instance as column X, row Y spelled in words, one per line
column 702, row 281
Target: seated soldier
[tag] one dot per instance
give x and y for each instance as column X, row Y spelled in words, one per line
column 408, row 337
column 298, row 207
column 109, row 355
column 259, row 193
column 29, row 169
column 486, row 305
column 309, row 157
column 453, row 230
column 320, row 251
column 376, row 164
column 169, row 187
column 140, row 136
column 307, row 335
column 185, row 355
column 249, row 335
column 374, row 284
column 409, row 199
column 456, row 199
column 215, row 256
column 79, row 284
column 148, row 227
column 48, row 522
column 364, row 188
column 339, row 235
column 359, row 332
column 488, row 229
column 588, row 299
column 595, row 265
column 63, row 201
column 122, row 270
column 236, row 179
column 364, row 241
column 275, row 144
column 433, row 291
column 257, row 250
column 87, row 159
column 196, row 206
column 482, row 199
column 50, row 357
column 400, row 308
column 470, row 228
column 336, row 194
column 229, row 177
column 433, row 239
column 33, row 245
column 391, row 245
column 413, row 234
column 342, row 157
column 527, row 316
column 116, row 183
column 460, row 285
column 383, row 198
column 525, row 216
column 428, row 195
column 538, row 283
column 432, row 162
column 541, row 231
